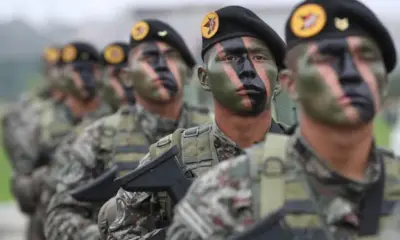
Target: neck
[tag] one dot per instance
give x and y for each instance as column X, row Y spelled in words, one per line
column 170, row 110
column 79, row 107
column 241, row 129
column 345, row 149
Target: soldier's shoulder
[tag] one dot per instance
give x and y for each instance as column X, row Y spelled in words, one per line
column 199, row 114
column 388, row 154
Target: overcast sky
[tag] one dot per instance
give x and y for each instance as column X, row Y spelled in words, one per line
column 39, row 12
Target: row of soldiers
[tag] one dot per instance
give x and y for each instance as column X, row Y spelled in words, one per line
column 161, row 169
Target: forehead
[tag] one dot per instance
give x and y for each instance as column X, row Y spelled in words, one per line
column 354, row 43
column 152, row 46
column 240, row 42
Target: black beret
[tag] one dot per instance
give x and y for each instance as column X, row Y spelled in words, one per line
column 156, row 30
column 115, row 54
column 236, row 21
column 51, row 54
column 321, row 19
column 77, row 52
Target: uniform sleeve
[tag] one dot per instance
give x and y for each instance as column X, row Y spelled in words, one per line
column 216, row 205
column 66, row 217
column 136, row 216
column 24, row 149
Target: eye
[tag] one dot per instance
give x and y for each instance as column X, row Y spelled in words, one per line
column 259, row 57
column 321, row 59
column 229, row 58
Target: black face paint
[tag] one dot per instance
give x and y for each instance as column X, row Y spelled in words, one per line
column 353, row 84
column 86, row 73
column 246, row 72
column 157, row 60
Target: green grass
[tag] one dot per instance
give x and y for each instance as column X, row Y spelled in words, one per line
column 381, row 131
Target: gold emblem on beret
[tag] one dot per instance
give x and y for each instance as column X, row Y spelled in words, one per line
column 210, row 25
column 342, row 23
column 51, row 55
column 69, row 53
column 308, row 20
column 140, row 30
column 114, row 54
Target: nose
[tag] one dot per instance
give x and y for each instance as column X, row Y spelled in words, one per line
column 247, row 70
column 88, row 78
column 160, row 64
column 349, row 72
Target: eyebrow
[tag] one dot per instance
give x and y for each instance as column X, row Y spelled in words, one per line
column 243, row 49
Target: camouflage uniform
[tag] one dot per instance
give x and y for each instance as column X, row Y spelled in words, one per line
column 231, row 197
column 17, row 121
column 30, row 189
column 119, row 138
column 200, row 148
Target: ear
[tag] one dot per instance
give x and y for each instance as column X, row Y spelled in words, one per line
column 287, row 82
column 188, row 75
column 203, row 78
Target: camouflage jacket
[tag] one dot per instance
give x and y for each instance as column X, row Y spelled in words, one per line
column 121, row 137
column 285, row 174
column 18, row 122
column 139, row 214
column 37, row 146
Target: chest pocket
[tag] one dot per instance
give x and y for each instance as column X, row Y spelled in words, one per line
column 124, row 140
column 197, row 149
column 301, row 214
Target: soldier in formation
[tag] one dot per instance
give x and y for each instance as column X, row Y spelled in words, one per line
column 241, row 67
column 118, row 88
column 159, row 65
column 329, row 179
column 55, row 121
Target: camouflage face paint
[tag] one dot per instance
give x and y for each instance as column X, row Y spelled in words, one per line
column 83, row 78
column 157, row 70
column 119, row 83
column 341, row 81
column 241, row 74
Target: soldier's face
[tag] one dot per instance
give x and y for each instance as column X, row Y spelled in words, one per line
column 241, row 73
column 157, row 70
column 339, row 81
column 84, row 77
column 120, row 84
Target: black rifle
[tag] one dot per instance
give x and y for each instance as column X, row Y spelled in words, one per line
column 104, row 187
column 163, row 174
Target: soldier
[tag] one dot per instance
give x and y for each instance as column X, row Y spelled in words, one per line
column 118, row 88
column 56, row 120
column 329, row 178
column 160, row 63
column 21, row 113
column 242, row 57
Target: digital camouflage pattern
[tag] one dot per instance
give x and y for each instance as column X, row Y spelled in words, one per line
column 134, row 217
column 122, row 137
column 55, row 123
column 227, row 199
column 241, row 74
column 17, row 121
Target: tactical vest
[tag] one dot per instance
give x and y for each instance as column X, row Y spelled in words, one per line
column 196, row 151
column 275, row 189
column 126, row 140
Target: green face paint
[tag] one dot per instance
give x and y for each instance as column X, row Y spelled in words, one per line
column 241, row 73
column 158, row 71
column 340, row 81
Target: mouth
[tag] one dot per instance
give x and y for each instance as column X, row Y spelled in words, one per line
column 250, row 90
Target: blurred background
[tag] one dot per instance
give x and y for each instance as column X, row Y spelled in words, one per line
column 27, row 26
